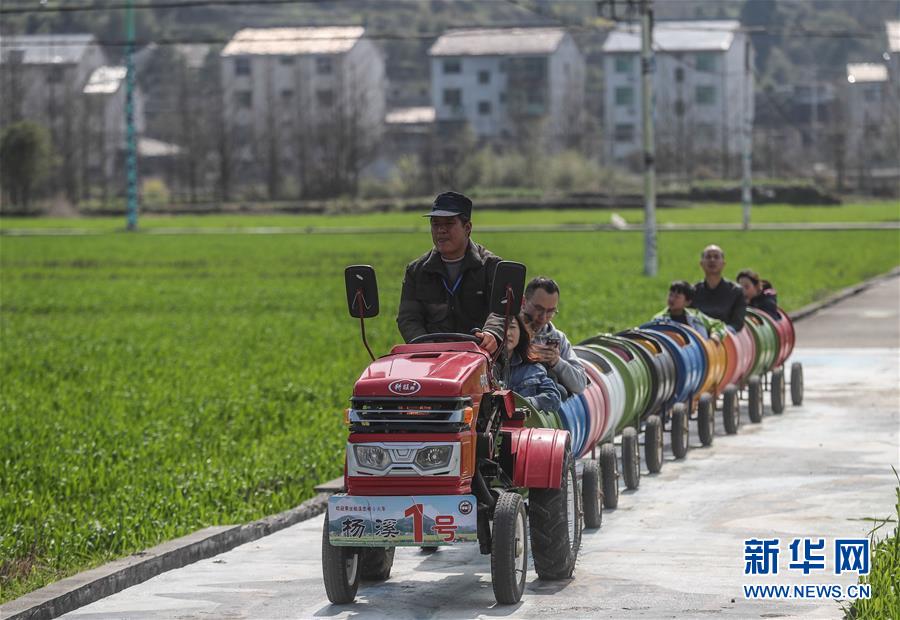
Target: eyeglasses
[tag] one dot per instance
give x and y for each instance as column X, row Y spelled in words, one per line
column 536, row 310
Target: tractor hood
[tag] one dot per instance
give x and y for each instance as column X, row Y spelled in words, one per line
column 426, row 370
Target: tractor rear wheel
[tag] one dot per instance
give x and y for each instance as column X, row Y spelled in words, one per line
column 797, row 384
column 754, row 400
column 555, row 516
column 509, row 548
column 631, row 458
column 731, row 412
column 680, row 431
column 340, row 569
column 778, row 391
column 376, row 564
column 653, row 444
column 591, row 497
column 706, row 419
column 609, row 473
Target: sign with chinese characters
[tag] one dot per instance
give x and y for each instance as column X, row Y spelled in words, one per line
column 410, row 520
column 809, row 557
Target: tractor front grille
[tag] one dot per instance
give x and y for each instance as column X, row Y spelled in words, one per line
column 409, row 415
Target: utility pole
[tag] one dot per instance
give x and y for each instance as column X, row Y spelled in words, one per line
column 647, row 69
column 747, row 146
column 131, row 145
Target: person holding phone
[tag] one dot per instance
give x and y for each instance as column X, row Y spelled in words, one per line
column 549, row 345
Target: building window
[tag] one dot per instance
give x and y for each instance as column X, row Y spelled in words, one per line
column 624, row 95
column 624, row 132
column 624, row 64
column 452, row 96
column 325, row 98
column 242, row 66
column 704, row 133
column 55, row 76
column 287, row 95
column 706, row 95
column 679, row 75
column 287, row 60
column 243, row 98
column 705, row 63
column 484, row 77
column 452, row 65
column 324, row 65
column 872, row 94
column 503, row 97
column 501, row 67
column 484, row 107
column 679, row 107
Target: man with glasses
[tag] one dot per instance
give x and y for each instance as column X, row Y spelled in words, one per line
column 447, row 289
column 714, row 295
column 550, row 345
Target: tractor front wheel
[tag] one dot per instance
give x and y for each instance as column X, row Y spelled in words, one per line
column 509, row 549
column 555, row 516
column 376, row 564
column 340, row 569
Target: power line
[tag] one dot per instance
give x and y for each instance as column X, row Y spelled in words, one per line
column 156, row 4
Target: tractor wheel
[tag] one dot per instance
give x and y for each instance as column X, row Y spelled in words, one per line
column 375, row 564
column 591, row 496
column 754, row 400
column 653, row 444
column 609, row 472
column 731, row 412
column 555, row 516
column 509, row 548
column 681, row 426
column 706, row 419
column 631, row 459
column 340, row 569
column 797, row 384
column 778, row 391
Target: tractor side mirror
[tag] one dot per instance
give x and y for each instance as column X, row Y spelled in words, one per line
column 362, row 291
column 508, row 278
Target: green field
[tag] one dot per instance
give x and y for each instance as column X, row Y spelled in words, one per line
column 874, row 211
column 153, row 385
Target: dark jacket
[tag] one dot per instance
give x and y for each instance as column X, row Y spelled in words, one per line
column 725, row 302
column 767, row 301
column 426, row 303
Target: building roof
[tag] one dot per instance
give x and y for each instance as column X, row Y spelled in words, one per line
column 105, row 80
column 150, row 147
column 866, row 72
column 676, row 36
column 893, row 36
column 410, row 116
column 293, row 41
column 498, row 42
column 46, row 49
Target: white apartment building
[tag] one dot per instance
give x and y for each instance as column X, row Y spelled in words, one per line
column 294, row 97
column 703, row 94
column 497, row 79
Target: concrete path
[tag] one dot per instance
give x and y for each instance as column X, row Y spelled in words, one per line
column 674, row 548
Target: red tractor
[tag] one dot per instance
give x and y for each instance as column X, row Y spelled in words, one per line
column 439, row 454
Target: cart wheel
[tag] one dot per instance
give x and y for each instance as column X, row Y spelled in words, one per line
column 591, row 495
column 340, row 569
column 631, row 459
column 731, row 412
column 555, row 518
column 778, row 391
column 706, row 419
column 509, row 549
column 653, row 444
column 680, row 431
column 375, row 564
column 609, row 472
column 797, row 384
column 754, row 400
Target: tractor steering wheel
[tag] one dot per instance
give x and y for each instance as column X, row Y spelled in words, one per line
column 446, row 336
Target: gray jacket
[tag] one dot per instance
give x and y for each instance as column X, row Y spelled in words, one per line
column 568, row 372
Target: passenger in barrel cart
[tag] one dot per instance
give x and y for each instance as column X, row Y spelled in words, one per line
column 549, row 345
column 716, row 296
column 528, row 379
column 759, row 293
column 681, row 293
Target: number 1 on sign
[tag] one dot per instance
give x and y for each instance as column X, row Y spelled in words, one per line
column 416, row 512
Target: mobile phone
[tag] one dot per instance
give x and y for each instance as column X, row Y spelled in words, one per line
column 552, row 341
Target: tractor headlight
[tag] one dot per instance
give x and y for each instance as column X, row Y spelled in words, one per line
column 433, row 457
column 371, row 456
